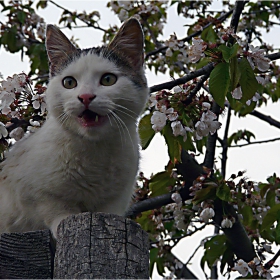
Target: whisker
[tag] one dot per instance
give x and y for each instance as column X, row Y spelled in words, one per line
column 122, row 112
column 127, row 109
column 119, row 125
column 123, row 125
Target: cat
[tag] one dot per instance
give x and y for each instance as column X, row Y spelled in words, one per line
column 86, row 155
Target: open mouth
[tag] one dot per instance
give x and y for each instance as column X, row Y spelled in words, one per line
column 89, row 118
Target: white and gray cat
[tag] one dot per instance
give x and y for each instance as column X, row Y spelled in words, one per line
column 85, row 157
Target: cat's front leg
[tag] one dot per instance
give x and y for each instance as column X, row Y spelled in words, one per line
column 53, row 213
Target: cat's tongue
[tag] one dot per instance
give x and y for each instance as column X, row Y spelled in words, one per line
column 88, row 118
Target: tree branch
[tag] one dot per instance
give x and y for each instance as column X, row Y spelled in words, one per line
column 169, row 85
column 238, row 8
column 266, row 118
column 225, row 144
column 189, row 169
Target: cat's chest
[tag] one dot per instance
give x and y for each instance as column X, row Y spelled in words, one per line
column 95, row 166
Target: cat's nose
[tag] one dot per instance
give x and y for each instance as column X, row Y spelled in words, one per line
column 86, row 98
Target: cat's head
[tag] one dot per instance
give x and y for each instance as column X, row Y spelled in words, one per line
column 93, row 92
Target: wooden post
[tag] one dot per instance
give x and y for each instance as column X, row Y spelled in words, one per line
column 26, row 255
column 100, row 245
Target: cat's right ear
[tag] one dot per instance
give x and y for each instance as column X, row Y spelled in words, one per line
column 59, row 48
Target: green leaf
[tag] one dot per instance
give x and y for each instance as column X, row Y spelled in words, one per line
column 229, row 52
column 234, row 73
column 154, row 258
column 247, row 214
column 173, row 145
column 227, row 257
column 219, row 83
column 277, row 229
column 206, row 193
column 209, row 35
column 10, row 40
column 188, row 144
column 270, row 217
column 214, row 248
column 248, row 81
column 160, row 182
column 146, row 131
column 270, row 197
column 146, row 223
column 263, row 189
column 21, row 15
column 223, row 192
column 264, row 15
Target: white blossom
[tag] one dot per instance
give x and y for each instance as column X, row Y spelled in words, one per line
column 178, row 129
column 243, row 268
column 206, row 105
column 226, row 223
column 158, row 120
column 34, row 126
column 168, row 52
column 206, row 125
column 3, row 130
column 176, row 197
column 152, row 101
column 206, row 214
column 17, row 133
column 123, row 15
column 237, row 93
column 196, row 51
column 39, row 102
column 258, row 59
column 7, row 97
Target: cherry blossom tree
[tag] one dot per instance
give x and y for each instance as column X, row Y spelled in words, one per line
column 223, row 66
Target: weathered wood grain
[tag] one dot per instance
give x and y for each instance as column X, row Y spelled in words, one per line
column 26, row 255
column 101, row 245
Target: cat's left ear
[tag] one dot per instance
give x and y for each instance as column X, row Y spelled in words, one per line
column 59, row 48
column 129, row 41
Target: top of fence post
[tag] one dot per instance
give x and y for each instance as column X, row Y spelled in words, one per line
column 101, row 245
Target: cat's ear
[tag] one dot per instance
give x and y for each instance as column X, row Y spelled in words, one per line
column 59, row 48
column 129, row 41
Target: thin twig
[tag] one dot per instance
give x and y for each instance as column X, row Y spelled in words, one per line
column 186, row 39
column 196, row 89
column 211, row 142
column 255, row 142
column 271, row 262
column 81, row 19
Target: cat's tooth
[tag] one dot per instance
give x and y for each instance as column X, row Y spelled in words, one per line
column 96, row 118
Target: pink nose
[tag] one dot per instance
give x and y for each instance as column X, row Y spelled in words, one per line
column 86, row 98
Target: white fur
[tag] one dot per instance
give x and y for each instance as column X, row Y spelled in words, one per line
column 65, row 168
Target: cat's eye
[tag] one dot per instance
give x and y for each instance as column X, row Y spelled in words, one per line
column 69, row 82
column 108, row 79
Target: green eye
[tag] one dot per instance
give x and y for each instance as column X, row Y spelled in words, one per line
column 108, row 79
column 69, row 82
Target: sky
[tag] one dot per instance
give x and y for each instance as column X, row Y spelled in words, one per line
column 260, row 161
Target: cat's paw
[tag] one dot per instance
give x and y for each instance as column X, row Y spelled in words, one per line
column 55, row 223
